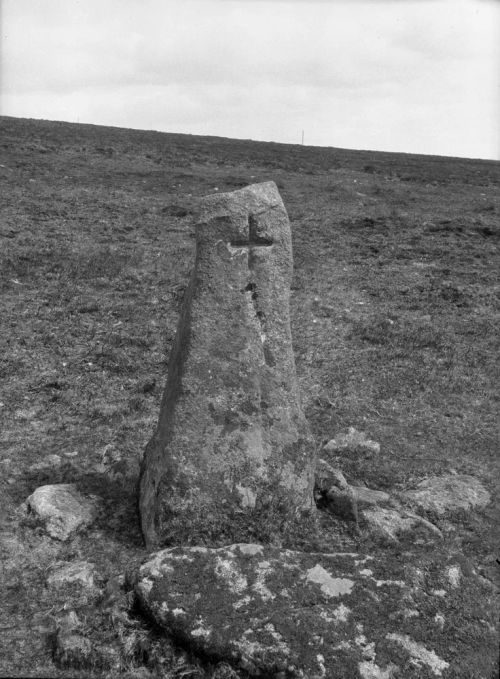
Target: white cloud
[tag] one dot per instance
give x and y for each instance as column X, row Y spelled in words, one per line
column 410, row 75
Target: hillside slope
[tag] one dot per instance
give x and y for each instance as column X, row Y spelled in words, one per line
column 395, row 305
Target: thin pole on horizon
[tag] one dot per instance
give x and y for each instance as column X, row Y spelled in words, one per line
column 302, row 137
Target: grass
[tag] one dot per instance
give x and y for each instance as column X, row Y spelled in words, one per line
column 395, row 302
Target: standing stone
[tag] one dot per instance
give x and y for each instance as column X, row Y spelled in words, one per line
column 231, row 436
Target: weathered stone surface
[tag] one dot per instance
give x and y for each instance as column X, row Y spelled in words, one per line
column 62, row 508
column 269, row 611
column 441, row 494
column 231, row 435
column 351, row 439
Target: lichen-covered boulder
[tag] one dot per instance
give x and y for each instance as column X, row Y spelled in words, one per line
column 270, row 611
column 232, row 436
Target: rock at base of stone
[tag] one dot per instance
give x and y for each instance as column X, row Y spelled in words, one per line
column 333, row 493
column 62, row 509
column 232, row 437
column 441, row 494
column 393, row 523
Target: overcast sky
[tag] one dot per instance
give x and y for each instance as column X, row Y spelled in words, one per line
column 419, row 76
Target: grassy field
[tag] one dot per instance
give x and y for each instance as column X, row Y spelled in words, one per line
column 395, row 307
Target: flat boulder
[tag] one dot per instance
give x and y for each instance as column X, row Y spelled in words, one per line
column 441, row 494
column 62, row 509
column 276, row 612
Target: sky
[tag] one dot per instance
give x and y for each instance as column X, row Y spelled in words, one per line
column 416, row 76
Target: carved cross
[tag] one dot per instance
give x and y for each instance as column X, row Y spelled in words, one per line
column 254, row 239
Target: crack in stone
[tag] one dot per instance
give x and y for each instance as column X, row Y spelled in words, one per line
column 256, row 241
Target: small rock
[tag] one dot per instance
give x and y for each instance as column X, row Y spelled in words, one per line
column 62, row 509
column 439, row 620
column 366, row 496
column 352, row 439
column 391, row 523
column 81, row 572
column 440, row 494
column 454, row 575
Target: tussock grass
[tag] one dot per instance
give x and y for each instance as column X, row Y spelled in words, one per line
column 69, row 265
